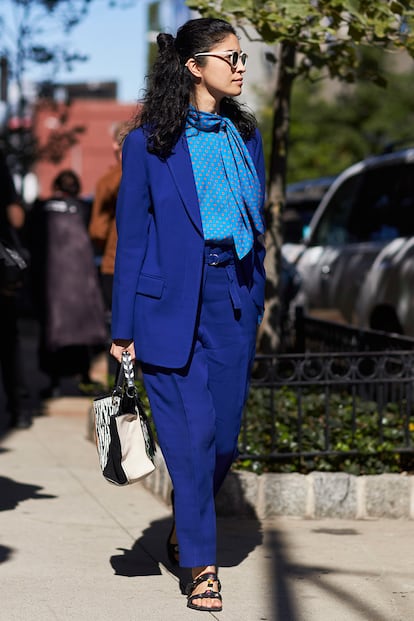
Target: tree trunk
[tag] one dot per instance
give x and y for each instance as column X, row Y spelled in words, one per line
column 269, row 332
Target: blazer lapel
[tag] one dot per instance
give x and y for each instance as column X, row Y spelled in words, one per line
column 179, row 163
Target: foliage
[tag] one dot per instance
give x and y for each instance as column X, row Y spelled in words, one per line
column 324, row 34
column 27, row 32
column 314, row 37
column 329, row 134
column 273, row 425
column 60, row 139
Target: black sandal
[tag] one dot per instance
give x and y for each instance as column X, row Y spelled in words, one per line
column 172, row 548
column 210, row 578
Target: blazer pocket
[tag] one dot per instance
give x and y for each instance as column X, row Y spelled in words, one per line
column 151, row 286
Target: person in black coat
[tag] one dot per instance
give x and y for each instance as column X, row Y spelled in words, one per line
column 66, row 290
column 12, row 218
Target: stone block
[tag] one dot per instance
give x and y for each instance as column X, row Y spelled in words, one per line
column 388, row 495
column 283, row 494
column 316, row 495
column 334, row 495
column 238, row 495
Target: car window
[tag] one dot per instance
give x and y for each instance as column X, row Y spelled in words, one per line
column 374, row 205
column 302, row 200
column 373, row 217
column 333, row 227
column 404, row 202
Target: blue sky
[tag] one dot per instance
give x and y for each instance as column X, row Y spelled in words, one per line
column 114, row 40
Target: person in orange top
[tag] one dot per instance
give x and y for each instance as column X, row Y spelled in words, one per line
column 102, row 227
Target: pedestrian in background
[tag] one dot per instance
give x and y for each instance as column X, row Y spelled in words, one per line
column 66, row 290
column 12, row 219
column 102, row 225
column 189, row 277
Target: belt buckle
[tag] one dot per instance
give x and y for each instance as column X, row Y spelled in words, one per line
column 215, row 258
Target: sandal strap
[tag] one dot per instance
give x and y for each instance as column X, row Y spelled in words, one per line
column 206, row 595
column 207, row 577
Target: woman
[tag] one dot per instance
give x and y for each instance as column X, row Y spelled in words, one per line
column 189, row 277
column 66, row 289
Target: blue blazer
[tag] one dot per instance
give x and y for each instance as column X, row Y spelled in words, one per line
column 160, row 252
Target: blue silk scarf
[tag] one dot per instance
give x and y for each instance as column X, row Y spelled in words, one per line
column 235, row 197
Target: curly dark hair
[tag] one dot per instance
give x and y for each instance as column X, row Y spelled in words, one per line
column 171, row 84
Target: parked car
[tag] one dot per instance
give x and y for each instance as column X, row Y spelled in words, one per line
column 357, row 264
column 302, row 200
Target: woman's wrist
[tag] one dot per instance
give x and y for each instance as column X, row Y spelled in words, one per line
column 119, row 346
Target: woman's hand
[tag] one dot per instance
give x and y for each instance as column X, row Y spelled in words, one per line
column 119, row 346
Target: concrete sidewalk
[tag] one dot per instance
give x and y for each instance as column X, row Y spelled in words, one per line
column 75, row 548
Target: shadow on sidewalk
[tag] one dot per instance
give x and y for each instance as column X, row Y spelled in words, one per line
column 147, row 553
column 284, row 607
column 236, row 539
column 5, row 553
column 318, row 577
column 143, row 558
column 12, row 492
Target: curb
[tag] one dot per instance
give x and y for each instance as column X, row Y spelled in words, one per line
column 312, row 496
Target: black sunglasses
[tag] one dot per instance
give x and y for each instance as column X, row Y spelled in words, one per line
column 233, row 57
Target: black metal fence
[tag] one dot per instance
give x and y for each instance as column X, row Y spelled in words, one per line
column 315, row 404
column 312, row 334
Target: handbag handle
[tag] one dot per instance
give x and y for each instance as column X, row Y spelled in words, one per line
column 129, row 373
column 126, row 375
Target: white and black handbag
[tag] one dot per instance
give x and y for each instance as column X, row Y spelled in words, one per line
column 125, row 443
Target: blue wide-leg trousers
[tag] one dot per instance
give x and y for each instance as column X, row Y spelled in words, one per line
column 197, row 410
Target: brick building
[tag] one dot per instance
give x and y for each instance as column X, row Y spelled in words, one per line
column 80, row 119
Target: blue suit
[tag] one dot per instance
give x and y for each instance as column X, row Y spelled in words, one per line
column 159, row 260
column 193, row 325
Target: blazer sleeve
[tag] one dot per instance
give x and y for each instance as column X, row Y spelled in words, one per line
column 132, row 219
